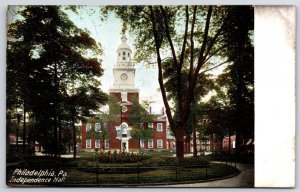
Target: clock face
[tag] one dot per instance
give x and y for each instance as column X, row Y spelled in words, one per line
column 124, row 109
column 124, row 76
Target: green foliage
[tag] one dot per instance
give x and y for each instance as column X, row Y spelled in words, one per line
column 51, row 70
column 247, row 158
column 103, row 157
column 139, row 116
column 239, row 77
column 165, row 161
column 114, row 109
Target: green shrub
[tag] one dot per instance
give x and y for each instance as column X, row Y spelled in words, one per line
column 171, row 161
column 115, row 157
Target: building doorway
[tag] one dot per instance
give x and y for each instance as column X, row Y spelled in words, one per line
column 124, row 146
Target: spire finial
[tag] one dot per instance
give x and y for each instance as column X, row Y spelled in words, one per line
column 124, row 38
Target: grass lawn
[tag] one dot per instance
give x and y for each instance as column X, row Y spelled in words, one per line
column 161, row 174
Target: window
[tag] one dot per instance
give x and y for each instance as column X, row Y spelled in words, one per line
column 159, row 127
column 124, row 53
column 97, row 127
column 142, row 143
column 124, row 96
column 106, row 144
column 159, row 143
column 88, row 127
column 105, row 125
column 150, row 143
column 124, row 58
column 150, row 125
column 88, row 143
column 97, row 143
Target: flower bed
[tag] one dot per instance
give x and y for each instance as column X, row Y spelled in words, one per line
column 102, row 157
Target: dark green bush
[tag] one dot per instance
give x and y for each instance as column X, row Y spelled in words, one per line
column 171, row 161
column 102, row 157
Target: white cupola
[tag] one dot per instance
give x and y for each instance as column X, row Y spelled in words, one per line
column 124, row 52
column 124, row 70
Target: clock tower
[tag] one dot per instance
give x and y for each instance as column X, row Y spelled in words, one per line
column 124, row 90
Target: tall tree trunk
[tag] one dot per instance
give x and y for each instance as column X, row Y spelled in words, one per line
column 194, row 137
column 211, row 143
column 24, row 128
column 74, row 134
column 17, row 135
column 237, row 143
column 18, row 122
column 179, row 136
column 55, row 111
column 59, row 136
column 229, row 144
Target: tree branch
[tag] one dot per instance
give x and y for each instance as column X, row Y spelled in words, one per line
column 168, row 35
column 185, row 37
column 213, row 41
column 160, row 76
column 155, row 62
column 215, row 52
column 214, row 67
column 204, row 43
column 192, row 45
column 178, row 65
column 192, row 84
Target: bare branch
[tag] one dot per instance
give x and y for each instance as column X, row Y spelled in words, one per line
column 204, row 43
column 214, row 67
column 168, row 35
column 143, row 10
column 155, row 62
column 178, row 66
column 185, row 36
column 160, row 76
column 192, row 84
column 213, row 53
column 192, row 45
column 213, row 41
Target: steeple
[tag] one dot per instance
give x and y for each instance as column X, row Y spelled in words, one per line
column 124, row 38
column 124, row 52
column 124, row 70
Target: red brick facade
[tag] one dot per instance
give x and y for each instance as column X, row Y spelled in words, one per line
column 159, row 138
column 158, row 142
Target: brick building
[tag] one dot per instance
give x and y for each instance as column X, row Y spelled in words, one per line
column 125, row 92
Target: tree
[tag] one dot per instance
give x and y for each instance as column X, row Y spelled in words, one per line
column 55, row 61
column 82, row 100
column 174, row 31
column 203, row 86
column 138, row 117
column 239, row 77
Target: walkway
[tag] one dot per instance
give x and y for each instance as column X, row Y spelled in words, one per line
column 244, row 179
